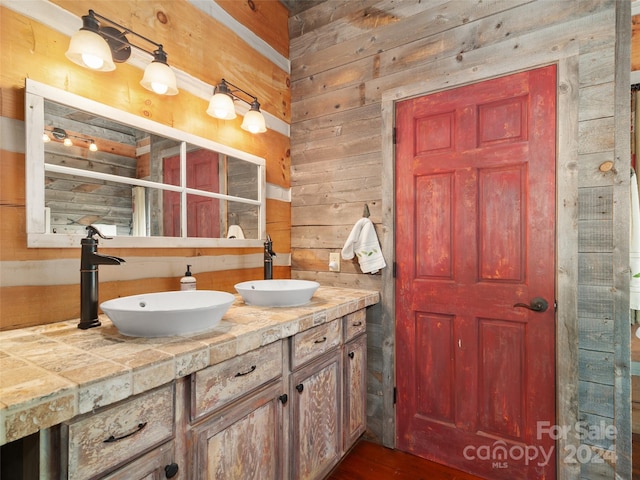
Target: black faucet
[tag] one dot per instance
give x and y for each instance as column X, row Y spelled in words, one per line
column 268, row 259
column 90, row 259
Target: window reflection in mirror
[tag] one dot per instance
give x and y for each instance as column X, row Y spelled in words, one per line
column 132, row 181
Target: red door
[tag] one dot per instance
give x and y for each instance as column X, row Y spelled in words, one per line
column 203, row 213
column 475, row 233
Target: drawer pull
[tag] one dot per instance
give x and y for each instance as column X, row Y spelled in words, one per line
column 300, row 387
column 112, row 439
column 323, row 339
column 351, row 354
column 356, row 324
column 242, row 374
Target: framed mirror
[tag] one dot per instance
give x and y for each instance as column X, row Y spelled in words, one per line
column 140, row 182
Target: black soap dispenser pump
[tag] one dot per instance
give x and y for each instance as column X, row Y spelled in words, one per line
column 188, row 282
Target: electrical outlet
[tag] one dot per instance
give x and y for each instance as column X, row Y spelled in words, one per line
column 334, row 262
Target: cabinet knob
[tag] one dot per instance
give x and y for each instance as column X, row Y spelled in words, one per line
column 300, row 387
column 351, row 354
column 283, row 398
column 171, row 470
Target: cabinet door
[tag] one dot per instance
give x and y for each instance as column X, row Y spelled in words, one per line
column 242, row 441
column 316, row 421
column 158, row 464
column 355, row 390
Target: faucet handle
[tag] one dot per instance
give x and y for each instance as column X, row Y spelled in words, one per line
column 91, row 231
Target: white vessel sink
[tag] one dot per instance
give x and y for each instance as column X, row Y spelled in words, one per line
column 277, row 293
column 164, row 314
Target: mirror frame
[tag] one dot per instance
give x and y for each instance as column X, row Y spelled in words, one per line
column 37, row 237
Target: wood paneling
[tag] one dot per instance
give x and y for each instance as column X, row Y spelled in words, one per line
column 635, row 43
column 193, row 43
column 31, row 305
column 34, row 50
column 346, row 56
column 260, row 16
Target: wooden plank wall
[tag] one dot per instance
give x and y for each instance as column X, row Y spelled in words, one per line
column 346, row 54
column 196, row 44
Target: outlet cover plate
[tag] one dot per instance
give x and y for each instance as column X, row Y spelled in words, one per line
column 334, row 262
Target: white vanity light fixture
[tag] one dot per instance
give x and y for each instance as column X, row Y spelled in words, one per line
column 221, row 106
column 97, row 47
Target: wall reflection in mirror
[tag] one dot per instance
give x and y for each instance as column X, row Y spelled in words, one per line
column 129, row 181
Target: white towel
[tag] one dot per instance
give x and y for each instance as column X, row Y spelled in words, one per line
column 363, row 242
column 235, row 231
column 634, row 245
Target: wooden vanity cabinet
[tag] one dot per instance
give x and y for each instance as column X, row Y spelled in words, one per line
column 287, row 410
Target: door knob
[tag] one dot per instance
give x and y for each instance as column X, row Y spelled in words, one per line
column 538, row 304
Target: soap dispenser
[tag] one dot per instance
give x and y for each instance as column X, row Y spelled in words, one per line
column 188, row 282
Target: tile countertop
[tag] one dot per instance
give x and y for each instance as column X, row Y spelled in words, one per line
column 51, row 373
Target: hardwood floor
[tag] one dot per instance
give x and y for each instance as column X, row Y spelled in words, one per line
column 369, row 461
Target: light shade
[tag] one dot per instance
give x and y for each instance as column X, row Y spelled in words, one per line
column 221, row 106
column 254, row 120
column 159, row 78
column 88, row 49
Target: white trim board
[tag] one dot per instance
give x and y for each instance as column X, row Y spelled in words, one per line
column 65, row 271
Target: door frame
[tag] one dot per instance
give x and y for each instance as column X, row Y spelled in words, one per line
column 566, row 61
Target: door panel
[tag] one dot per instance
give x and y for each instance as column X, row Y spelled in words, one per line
column 203, row 213
column 475, row 235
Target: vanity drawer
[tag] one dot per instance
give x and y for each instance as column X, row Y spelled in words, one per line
column 222, row 383
column 311, row 343
column 97, row 443
column 354, row 324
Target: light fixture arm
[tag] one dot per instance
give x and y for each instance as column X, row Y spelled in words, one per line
column 224, row 83
column 122, row 39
